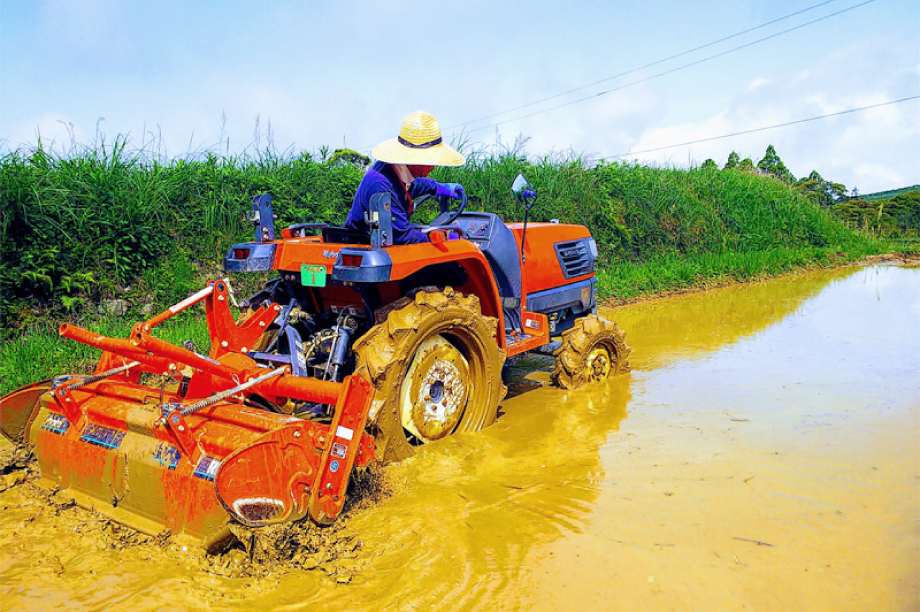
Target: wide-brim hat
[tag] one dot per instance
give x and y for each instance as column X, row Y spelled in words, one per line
column 418, row 144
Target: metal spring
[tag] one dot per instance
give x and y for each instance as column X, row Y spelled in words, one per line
column 229, row 392
column 90, row 380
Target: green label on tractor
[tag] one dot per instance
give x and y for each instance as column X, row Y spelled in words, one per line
column 312, row 276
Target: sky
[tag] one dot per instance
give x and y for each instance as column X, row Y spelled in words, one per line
column 179, row 79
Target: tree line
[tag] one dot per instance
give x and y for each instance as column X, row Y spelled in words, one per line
column 894, row 217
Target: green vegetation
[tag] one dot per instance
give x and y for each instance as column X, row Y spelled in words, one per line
column 894, row 218
column 666, row 273
column 80, row 228
column 640, row 214
column 106, row 230
column 891, row 215
column 38, row 352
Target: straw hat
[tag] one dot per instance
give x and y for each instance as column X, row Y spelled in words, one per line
column 419, row 143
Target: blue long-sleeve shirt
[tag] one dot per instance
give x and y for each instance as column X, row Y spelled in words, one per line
column 382, row 178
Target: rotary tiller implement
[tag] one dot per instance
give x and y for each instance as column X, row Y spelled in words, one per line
column 206, row 441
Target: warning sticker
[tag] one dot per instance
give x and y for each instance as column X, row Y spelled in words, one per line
column 334, row 466
column 56, row 423
column 102, row 436
column 167, row 456
column 207, row 468
column 339, row 450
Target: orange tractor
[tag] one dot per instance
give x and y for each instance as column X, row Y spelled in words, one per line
column 357, row 351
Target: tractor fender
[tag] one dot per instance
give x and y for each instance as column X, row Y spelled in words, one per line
column 410, row 259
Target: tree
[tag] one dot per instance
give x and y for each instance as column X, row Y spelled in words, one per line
column 772, row 164
column 821, row 191
column 346, row 157
column 710, row 164
column 746, row 165
column 838, row 191
column 897, row 217
column 733, row 160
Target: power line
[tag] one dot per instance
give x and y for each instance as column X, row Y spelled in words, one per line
column 655, row 63
column 769, row 127
column 666, row 72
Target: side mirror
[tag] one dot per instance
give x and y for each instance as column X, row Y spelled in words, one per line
column 523, row 192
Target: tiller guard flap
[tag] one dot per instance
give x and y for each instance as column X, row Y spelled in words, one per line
column 301, row 468
column 19, row 408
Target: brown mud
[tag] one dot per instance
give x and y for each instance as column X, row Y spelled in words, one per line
column 258, row 552
column 763, row 454
column 16, row 467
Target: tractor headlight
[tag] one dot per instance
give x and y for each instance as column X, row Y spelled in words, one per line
column 592, row 246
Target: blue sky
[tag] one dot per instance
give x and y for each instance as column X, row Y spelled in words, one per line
column 183, row 77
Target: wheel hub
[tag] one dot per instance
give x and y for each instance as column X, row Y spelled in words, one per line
column 598, row 364
column 434, row 393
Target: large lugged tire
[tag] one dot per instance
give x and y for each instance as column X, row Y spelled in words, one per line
column 436, row 368
column 594, row 349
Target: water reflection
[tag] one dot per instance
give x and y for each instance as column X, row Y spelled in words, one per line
column 778, row 465
column 692, row 325
column 469, row 510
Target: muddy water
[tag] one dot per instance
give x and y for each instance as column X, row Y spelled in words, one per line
column 764, row 454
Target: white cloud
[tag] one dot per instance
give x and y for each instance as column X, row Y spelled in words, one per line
column 875, row 149
column 319, row 75
column 873, row 173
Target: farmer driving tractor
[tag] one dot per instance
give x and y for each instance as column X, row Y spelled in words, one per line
column 353, row 352
column 402, row 168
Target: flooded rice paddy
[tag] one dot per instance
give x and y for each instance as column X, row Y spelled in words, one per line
column 764, row 454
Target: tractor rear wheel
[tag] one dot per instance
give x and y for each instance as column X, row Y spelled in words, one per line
column 593, row 350
column 436, row 368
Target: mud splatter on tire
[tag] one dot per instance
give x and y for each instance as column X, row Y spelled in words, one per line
column 386, row 353
column 593, row 350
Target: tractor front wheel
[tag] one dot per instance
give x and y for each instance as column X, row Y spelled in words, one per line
column 436, row 368
column 593, row 350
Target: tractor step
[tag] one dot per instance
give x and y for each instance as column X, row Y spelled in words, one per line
column 535, row 334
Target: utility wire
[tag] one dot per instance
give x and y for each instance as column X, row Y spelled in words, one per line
column 666, row 72
column 655, row 63
column 769, row 127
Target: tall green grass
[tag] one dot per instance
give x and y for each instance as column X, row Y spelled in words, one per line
column 95, row 222
column 657, row 275
column 637, row 212
column 105, row 222
column 39, row 353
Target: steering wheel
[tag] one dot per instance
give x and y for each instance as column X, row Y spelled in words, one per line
column 445, row 220
column 447, row 229
column 447, row 217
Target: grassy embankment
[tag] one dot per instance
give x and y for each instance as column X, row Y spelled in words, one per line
column 103, row 230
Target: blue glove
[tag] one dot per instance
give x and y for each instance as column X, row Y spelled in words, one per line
column 451, row 190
